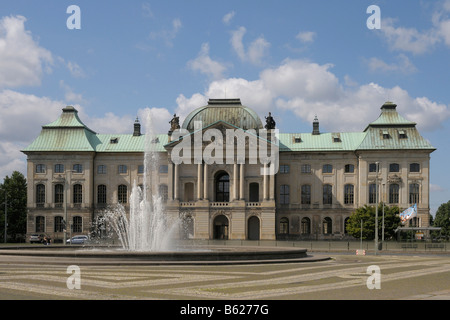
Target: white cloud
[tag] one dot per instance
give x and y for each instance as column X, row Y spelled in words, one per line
column 306, row 36
column 204, row 64
column 167, row 35
column 308, row 89
column 403, row 65
column 69, row 95
column 257, row 50
column 22, row 60
column 228, row 17
column 75, row 69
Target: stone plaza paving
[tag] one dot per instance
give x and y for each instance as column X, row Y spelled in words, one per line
column 343, row 277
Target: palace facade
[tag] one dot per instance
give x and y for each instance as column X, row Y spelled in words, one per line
column 322, row 178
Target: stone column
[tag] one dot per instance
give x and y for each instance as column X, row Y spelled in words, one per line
column 170, row 180
column 265, row 183
column 241, row 181
column 235, row 182
column 205, row 182
column 176, row 182
column 199, row 182
column 272, row 187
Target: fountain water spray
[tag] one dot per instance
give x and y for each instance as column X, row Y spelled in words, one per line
column 146, row 228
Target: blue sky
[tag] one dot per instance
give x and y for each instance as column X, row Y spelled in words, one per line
column 296, row 59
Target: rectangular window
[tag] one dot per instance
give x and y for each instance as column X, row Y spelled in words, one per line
column 349, row 168
column 373, row 193
column 306, row 168
column 394, row 167
column 349, row 194
column 284, row 168
column 40, row 168
column 78, row 168
column 327, row 194
column 163, row 169
column 123, row 169
column 101, row 169
column 327, row 168
column 59, row 168
column 77, row 224
column 414, row 167
column 373, row 167
column 140, row 169
column 284, row 194
column 414, row 193
column 394, row 193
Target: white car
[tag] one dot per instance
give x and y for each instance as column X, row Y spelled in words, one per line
column 78, row 240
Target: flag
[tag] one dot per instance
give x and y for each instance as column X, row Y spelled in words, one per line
column 409, row 213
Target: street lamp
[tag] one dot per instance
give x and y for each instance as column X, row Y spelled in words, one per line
column 66, row 222
column 376, row 208
column 6, row 215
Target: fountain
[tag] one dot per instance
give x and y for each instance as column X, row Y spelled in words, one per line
column 146, row 228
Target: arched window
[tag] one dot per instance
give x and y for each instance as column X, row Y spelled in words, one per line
column 306, row 225
column 394, row 193
column 414, row 193
column 327, row 225
column 77, row 224
column 349, row 194
column 284, row 226
column 223, row 187
column 40, row 195
column 77, row 193
column 306, row 194
column 101, row 194
column 59, row 194
column 40, row 224
column 327, row 194
column 122, row 194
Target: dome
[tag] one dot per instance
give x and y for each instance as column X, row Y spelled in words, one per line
column 228, row 110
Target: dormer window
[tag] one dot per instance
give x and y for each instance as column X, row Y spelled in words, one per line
column 386, row 134
column 402, row 134
column 336, row 137
column 114, row 140
column 297, row 139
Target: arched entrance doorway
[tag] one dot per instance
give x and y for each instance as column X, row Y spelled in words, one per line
column 253, row 228
column 220, row 227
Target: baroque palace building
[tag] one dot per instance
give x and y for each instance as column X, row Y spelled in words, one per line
column 321, row 178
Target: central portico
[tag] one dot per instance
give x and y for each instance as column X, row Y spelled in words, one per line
column 225, row 199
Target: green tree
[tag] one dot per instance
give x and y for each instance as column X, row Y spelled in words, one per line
column 15, row 189
column 442, row 219
column 367, row 215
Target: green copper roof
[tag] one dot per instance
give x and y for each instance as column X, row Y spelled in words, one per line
column 346, row 141
column 228, row 110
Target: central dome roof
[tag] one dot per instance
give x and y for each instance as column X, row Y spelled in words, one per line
column 228, row 110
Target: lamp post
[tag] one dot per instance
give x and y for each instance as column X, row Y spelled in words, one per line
column 382, row 223
column 66, row 223
column 6, row 216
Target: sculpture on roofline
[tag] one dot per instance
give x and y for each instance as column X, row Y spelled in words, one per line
column 270, row 122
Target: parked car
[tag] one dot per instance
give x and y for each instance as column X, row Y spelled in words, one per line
column 36, row 238
column 78, row 239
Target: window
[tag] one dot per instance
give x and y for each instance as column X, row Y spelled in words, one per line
column 306, row 226
column 284, row 168
column 77, row 193
column 373, row 193
column 306, row 168
column 78, row 168
column 40, row 224
column 327, row 168
column 394, row 167
column 327, row 194
column 306, row 194
column 40, row 168
column 101, row 169
column 327, row 225
column 373, row 167
column 349, row 168
column 122, row 196
column 59, row 224
column 223, row 187
column 414, row 193
column 297, row 140
column 393, row 193
column 59, row 194
column 349, row 194
column 163, row 192
column 284, row 226
column 402, row 134
column 163, row 169
column 284, row 194
column 123, row 169
column 101, row 194
column 140, row 169
column 386, row 135
column 40, row 195
column 414, row 167
column 59, row 168
column 77, row 226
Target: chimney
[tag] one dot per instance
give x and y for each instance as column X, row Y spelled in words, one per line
column 137, row 128
column 316, row 126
